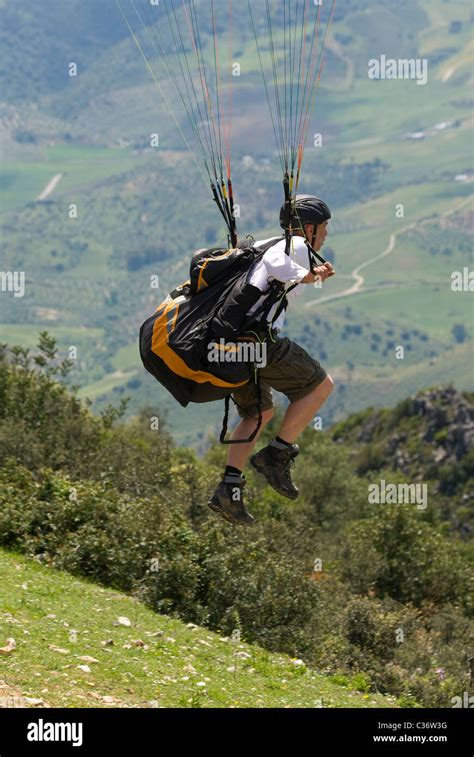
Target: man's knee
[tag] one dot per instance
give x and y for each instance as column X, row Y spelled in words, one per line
column 328, row 384
column 324, row 389
column 267, row 415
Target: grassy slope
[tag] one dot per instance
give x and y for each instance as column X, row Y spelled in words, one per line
column 40, row 607
column 81, row 167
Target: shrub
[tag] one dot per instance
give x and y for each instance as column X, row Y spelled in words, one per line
column 406, row 559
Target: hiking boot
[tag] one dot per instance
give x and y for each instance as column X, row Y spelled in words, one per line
column 228, row 501
column 275, row 464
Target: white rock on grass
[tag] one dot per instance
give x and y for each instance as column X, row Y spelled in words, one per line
column 124, row 621
column 10, row 647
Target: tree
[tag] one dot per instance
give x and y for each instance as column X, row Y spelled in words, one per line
column 459, row 332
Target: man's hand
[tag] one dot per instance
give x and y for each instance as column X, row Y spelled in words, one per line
column 319, row 273
column 324, row 271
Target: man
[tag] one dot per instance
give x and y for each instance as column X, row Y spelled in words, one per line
column 289, row 368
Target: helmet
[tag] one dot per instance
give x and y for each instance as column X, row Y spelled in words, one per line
column 305, row 209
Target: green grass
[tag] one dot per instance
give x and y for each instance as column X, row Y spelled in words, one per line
column 126, row 358
column 105, row 385
column 81, row 166
column 27, row 335
column 172, row 665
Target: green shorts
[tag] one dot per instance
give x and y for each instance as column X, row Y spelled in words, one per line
column 289, row 370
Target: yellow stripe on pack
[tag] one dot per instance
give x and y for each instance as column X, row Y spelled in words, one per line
column 161, row 348
column 201, row 278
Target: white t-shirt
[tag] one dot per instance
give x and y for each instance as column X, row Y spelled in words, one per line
column 276, row 264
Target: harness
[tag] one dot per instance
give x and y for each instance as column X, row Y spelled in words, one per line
column 277, row 294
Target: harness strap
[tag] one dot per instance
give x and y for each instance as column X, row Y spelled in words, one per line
column 283, row 304
column 312, row 252
column 225, row 420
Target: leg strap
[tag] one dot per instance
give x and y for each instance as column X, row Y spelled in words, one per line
column 225, row 421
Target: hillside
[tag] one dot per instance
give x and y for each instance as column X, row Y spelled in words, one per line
column 429, row 437
column 88, row 278
column 374, row 591
column 71, row 650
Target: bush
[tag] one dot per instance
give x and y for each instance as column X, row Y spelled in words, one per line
column 370, row 458
column 405, row 558
column 118, row 503
column 43, row 424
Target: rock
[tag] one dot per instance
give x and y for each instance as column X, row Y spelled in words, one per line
column 60, row 650
column 421, row 405
column 392, row 444
column 123, row 621
column 10, row 647
column 368, row 428
column 439, row 455
column 84, row 668
column 88, row 658
column 460, row 439
column 437, row 420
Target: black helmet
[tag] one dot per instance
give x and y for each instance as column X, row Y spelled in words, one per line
column 305, row 209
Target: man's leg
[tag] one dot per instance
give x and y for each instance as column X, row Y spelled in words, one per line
column 227, row 499
column 238, row 454
column 275, row 461
column 300, row 412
